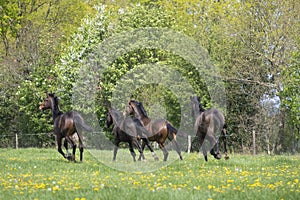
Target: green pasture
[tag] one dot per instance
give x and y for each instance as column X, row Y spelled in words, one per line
column 44, row 174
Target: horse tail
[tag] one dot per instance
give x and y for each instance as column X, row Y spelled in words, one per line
column 79, row 123
column 172, row 131
column 171, row 128
column 224, row 131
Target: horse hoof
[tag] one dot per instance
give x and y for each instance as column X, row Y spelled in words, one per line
column 69, row 158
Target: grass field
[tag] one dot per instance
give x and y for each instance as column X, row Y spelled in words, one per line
column 44, row 174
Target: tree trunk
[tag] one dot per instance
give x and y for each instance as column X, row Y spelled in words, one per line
column 268, row 144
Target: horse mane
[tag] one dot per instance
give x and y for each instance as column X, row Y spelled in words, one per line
column 201, row 109
column 142, row 109
column 56, row 103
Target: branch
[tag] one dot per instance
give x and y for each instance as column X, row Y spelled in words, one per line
column 231, row 79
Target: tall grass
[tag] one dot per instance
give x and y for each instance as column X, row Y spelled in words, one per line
column 44, row 174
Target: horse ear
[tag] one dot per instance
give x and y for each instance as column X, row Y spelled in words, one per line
column 199, row 98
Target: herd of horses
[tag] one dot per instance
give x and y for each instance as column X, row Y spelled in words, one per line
column 135, row 126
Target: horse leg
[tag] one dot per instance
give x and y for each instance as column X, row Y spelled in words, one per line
column 73, row 144
column 142, row 156
column 166, row 153
column 202, row 145
column 132, row 151
column 140, row 148
column 59, row 140
column 214, row 144
column 116, row 142
column 171, row 133
column 172, row 137
column 204, row 151
column 66, row 147
column 80, row 146
column 147, row 142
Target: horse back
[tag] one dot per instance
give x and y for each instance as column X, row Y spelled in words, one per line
column 64, row 124
column 215, row 118
column 211, row 118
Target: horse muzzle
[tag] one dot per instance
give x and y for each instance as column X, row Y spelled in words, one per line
column 42, row 108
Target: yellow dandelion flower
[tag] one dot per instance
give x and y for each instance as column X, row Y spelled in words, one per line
column 210, row 186
column 40, row 186
column 55, row 188
column 136, row 183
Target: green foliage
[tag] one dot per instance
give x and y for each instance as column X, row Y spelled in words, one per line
column 290, row 95
column 33, row 33
column 94, row 31
column 252, row 44
column 10, row 21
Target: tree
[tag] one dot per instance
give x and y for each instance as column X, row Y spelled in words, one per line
column 32, row 33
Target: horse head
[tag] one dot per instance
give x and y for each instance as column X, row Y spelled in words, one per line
column 196, row 105
column 48, row 102
column 136, row 108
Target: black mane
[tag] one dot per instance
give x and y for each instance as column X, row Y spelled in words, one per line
column 140, row 107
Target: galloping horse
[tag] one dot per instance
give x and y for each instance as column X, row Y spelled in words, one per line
column 160, row 129
column 127, row 130
column 65, row 125
column 207, row 124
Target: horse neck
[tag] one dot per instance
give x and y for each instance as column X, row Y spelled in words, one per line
column 141, row 116
column 55, row 110
column 198, row 110
column 115, row 121
column 115, row 117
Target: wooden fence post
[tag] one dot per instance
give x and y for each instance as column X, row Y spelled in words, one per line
column 17, row 141
column 189, row 144
column 254, row 144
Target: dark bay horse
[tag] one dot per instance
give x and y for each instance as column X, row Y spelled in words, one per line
column 160, row 129
column 65, row 126
column 128, row 130
column 207, row 124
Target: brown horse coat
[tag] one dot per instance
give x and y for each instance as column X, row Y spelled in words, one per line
column 65, row 126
